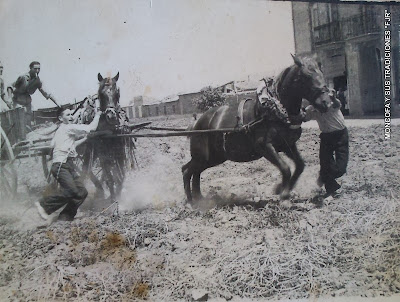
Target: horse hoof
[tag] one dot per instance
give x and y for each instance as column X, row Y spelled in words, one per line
column 278, row 189
column 198, row 197
column 286, row 204
column 285, row 195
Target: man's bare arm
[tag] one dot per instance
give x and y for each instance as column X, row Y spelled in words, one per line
column 48, row 96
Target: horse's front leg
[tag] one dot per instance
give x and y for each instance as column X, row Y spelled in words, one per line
column 293, row 153
column 120, row 173
column 268, row 151
column 106, row 167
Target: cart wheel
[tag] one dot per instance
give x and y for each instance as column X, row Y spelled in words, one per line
column 88, row 168
column 95, row 176
column 8, row 173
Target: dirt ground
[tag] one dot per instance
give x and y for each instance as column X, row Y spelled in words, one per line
column 241, row 243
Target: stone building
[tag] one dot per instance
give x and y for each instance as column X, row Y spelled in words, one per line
column 168, row 106
column 235, row 91
column 175, row 104
column 349, row 42
column 186, row 105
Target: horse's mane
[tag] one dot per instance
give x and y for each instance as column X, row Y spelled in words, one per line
column 309, row 66
column 280, row 80
column 278, row 88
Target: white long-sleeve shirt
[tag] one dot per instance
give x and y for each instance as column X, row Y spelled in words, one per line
column 330, row 121
column 65, row 137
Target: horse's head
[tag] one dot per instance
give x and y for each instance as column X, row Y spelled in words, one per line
column 109, row 98
column 311, row 83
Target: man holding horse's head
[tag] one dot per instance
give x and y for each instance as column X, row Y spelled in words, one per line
column 334, row 146
column 67, row 137
column 25, row 86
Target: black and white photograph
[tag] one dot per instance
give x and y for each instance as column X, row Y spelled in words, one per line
column 200, row 150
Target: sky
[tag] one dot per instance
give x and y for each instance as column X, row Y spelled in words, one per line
column 159, row 47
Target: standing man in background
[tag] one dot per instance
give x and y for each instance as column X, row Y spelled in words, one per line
column 25, row 86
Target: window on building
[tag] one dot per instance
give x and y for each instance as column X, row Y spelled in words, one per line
column 325, row 21
column 320, row 14
column 370, row 19
column 157, row 111
column 334, row 12
column 165, row 110
column 173, row 108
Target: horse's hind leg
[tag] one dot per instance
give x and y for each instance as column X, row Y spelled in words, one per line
column 270, row 153
column 196, row 184
column 187, row 173
column 294, row 154
column 196, row 167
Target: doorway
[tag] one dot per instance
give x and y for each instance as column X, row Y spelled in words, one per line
column 371, row 83
column 340, row 85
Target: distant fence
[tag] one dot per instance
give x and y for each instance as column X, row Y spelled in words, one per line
column 14, row 125
column 44, row 115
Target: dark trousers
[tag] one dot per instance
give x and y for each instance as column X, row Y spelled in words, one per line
column 28, row 113
column 24, row 100
column 72, row 192
column 333, row 156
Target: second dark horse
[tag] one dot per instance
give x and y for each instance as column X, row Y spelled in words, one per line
column 108, row 151
column 265, row 138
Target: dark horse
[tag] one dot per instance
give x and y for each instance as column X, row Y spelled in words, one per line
column 265, row 138
column 108, row 150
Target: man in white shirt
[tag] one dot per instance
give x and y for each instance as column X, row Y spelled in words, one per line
column 73, row 193
column 334, row 146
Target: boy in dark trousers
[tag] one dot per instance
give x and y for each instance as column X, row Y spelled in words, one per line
column 73, row 192
column 334, row 146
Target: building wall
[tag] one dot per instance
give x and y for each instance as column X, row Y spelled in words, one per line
column 302, row 27
column 333, row 60
column 137, row 104
column 348, row 10
column 353, row 79
column 168, row 108
column 236, row 98
column 395, row 11
column 354, row 52
column 138, row 111
column 186, row 103
column 130, row 111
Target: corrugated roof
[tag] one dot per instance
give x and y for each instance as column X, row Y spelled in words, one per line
column 170, row 98
column 247, row 85
column 167, row 99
